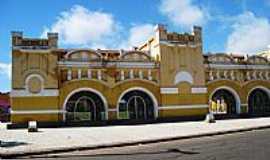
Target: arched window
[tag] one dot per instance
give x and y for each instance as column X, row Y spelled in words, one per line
column 223, row 102
column 136, row 105
column 258, row 102
column 85, row 106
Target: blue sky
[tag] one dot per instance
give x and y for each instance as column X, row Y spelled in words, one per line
column 238, row 26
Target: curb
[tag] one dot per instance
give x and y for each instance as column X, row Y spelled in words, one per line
column 68, row 149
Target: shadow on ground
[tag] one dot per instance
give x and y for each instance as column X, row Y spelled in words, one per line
column 10, row 144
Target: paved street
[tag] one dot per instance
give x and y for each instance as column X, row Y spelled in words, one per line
column 21, row 142
column 251, row 145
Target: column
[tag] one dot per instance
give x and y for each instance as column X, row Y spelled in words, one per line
column 232, row 75
column 131, row 75
column 267, row 75
column 69, row 74
column 254, row 75
column 217, row 74
column 140, row 74
column 89, row 73
column 79, row 73
column 99, row 75
column 149, row 75
column 211, row 77
column 248, row 75
column 122, row 75
column 261, row 75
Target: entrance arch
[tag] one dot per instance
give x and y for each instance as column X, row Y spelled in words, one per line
column 259, row 101
column 85, row 104
column 137, row 103
column 228, row 98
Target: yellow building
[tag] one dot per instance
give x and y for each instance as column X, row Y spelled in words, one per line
column 168, row 76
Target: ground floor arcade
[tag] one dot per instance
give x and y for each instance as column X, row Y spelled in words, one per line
column 141, row 101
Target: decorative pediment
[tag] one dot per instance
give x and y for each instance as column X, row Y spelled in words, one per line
column 83, row 55
column 135, row 56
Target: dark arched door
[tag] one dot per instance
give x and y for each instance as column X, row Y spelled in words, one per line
column 85, row 106
column 136, row 105
column 224, row 102
column 258, row 102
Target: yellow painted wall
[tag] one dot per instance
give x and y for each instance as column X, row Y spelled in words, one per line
column 19, row 118
column 111, row 93
column 34, row 103
column 182, row 112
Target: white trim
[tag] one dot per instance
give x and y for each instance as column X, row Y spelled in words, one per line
column 183, row 76
column 195, row 106
column 50, row 111
column 90, row 90
column 25, row 93
column 177, row 44
column 149, row 93
column 169, row 90
column 136, row 64
column 234, row 93
column 100, row 64
column 237, row 66
column 198, row 90
column 112, row 110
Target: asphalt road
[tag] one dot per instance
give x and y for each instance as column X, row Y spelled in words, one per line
column 252, row 145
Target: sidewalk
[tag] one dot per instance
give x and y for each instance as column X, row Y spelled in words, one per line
column 19, row 142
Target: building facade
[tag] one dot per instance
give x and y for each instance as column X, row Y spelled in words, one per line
column 168, row 76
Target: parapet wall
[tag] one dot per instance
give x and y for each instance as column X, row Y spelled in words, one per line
column 19, row 42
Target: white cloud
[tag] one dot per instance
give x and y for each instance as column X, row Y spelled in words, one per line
column 80, row 26
column 250, row 34
column 138, row 34
column 183, row 12
column 5, row 69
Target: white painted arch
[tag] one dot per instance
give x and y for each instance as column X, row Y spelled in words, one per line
column 183, row 76
column 233, row 92
column 90, row 90
column 143, row 90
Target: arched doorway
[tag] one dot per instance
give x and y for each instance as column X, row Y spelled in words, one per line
column 258, row 102
column 137, row 105
column 224, row 101
column 85, row 105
